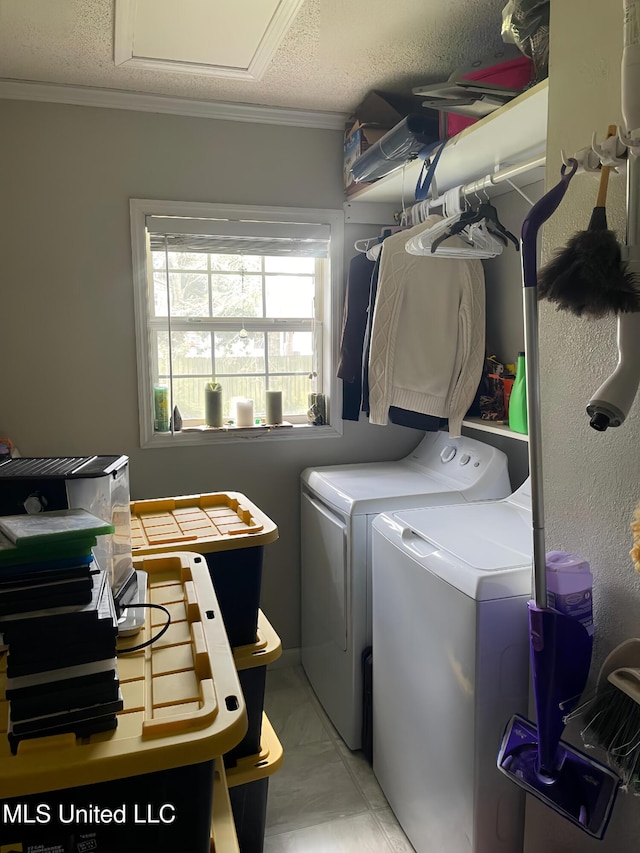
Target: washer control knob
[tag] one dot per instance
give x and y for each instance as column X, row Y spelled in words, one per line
column 447, row 453
column 465, row 459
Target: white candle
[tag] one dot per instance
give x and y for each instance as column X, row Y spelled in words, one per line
column 244, row 413
column 274, row 407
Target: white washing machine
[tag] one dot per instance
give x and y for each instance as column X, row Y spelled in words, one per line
column 339, row 503
column 450, row 667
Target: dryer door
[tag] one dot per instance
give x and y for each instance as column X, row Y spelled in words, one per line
column 324, row 576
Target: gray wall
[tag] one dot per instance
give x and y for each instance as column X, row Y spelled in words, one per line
column 67, row 345
column 592, row 480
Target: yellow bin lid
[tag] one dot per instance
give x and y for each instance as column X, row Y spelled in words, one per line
column 266, row 649
column 217, row 521
column 182, row 699
column 263, row 764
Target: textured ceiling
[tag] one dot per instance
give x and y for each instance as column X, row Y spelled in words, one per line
column 333, row 54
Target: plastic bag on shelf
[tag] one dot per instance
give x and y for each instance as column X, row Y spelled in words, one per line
column 525, row 23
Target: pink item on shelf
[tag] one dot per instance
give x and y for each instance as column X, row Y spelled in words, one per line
column 513, row 73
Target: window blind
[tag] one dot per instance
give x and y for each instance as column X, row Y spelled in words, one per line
column 226, row 237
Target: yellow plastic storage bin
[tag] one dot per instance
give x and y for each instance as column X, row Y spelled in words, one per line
column 224, row 838
column 148, row 785
column 249, row 788
column 251, row 662
column 229, row 531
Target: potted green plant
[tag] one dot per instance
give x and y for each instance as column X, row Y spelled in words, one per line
column 213, row 404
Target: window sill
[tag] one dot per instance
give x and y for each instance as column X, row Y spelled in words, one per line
column 231, row 428
column 235, row 435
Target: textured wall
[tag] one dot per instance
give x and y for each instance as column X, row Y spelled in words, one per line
column 69, row 381
column 592, row 480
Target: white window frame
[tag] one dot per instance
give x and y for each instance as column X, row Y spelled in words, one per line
column 330, row 326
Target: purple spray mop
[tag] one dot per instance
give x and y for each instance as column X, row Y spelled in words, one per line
column 533, row 756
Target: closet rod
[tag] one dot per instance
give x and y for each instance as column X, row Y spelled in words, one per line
column 502, row 175
column 498, row 177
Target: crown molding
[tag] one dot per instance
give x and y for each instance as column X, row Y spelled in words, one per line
column 117, row 99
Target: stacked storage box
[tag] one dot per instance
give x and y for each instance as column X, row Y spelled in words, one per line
column 58, row 622
column 249, row 787
column 251, row 663
column 259, row 754
column 224, row 838
column 150, row 784
column 230, row 533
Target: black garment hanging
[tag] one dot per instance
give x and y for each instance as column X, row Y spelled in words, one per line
column 354, row 324
column 373, row 289
column 415, row 420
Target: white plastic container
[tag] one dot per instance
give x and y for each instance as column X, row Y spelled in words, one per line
column 569, row 587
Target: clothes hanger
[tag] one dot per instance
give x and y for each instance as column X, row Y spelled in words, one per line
column 374, row 252
column 478, row 226
column 473, row 240
column 369, row 242
column 490, row 215
column 363, row 246
column 478, row 242
column 462, row 228
column 372, row 246
column 454, row 212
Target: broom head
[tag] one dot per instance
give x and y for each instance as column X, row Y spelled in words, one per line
column 612, row 723
column 611, row 717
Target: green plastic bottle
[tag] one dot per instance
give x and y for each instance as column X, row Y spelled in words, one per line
column 518, row 399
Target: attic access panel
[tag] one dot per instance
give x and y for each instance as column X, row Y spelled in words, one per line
column 216, row 38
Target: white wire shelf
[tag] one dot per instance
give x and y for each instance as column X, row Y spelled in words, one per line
column 495, row 427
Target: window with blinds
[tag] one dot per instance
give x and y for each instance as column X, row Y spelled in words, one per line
column 238, row 300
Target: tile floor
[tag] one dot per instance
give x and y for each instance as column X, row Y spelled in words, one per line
column 325, row 797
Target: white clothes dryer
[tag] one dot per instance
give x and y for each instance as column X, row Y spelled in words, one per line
column 450, row 667
column 339, row 503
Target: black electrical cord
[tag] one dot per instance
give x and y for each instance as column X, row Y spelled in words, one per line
column 154, row 638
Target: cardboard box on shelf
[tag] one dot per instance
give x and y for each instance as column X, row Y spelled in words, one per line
column 356, row 141
column 372, row 118
column 386, row 109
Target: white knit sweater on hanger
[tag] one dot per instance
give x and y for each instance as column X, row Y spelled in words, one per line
column 428, row 332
